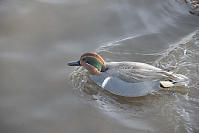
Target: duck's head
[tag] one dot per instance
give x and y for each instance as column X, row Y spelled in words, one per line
column 92, row 62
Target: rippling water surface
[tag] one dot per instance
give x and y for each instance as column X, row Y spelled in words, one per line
column 39, row 93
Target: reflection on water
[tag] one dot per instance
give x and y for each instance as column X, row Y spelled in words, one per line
column 38, row 37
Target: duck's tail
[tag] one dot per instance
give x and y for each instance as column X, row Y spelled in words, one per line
column 180, row 80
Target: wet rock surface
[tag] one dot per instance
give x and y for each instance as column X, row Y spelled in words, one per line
column 194, row 6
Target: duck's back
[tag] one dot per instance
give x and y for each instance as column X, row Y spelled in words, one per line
column 137, row 72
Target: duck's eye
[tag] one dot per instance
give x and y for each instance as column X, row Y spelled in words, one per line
column 86, row 60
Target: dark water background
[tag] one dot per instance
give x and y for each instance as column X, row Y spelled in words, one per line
column 38, row 38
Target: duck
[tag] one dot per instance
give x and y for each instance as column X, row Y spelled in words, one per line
column 126, row 78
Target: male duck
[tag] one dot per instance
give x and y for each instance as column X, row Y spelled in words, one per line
column 130, row 79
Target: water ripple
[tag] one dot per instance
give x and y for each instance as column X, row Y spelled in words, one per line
column 173, row 105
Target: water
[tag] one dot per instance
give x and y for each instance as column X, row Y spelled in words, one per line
column 38, row 38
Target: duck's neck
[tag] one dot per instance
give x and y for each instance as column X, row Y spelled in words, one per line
column 104, row 69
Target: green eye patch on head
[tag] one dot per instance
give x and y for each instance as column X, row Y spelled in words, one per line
column 94, row 62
